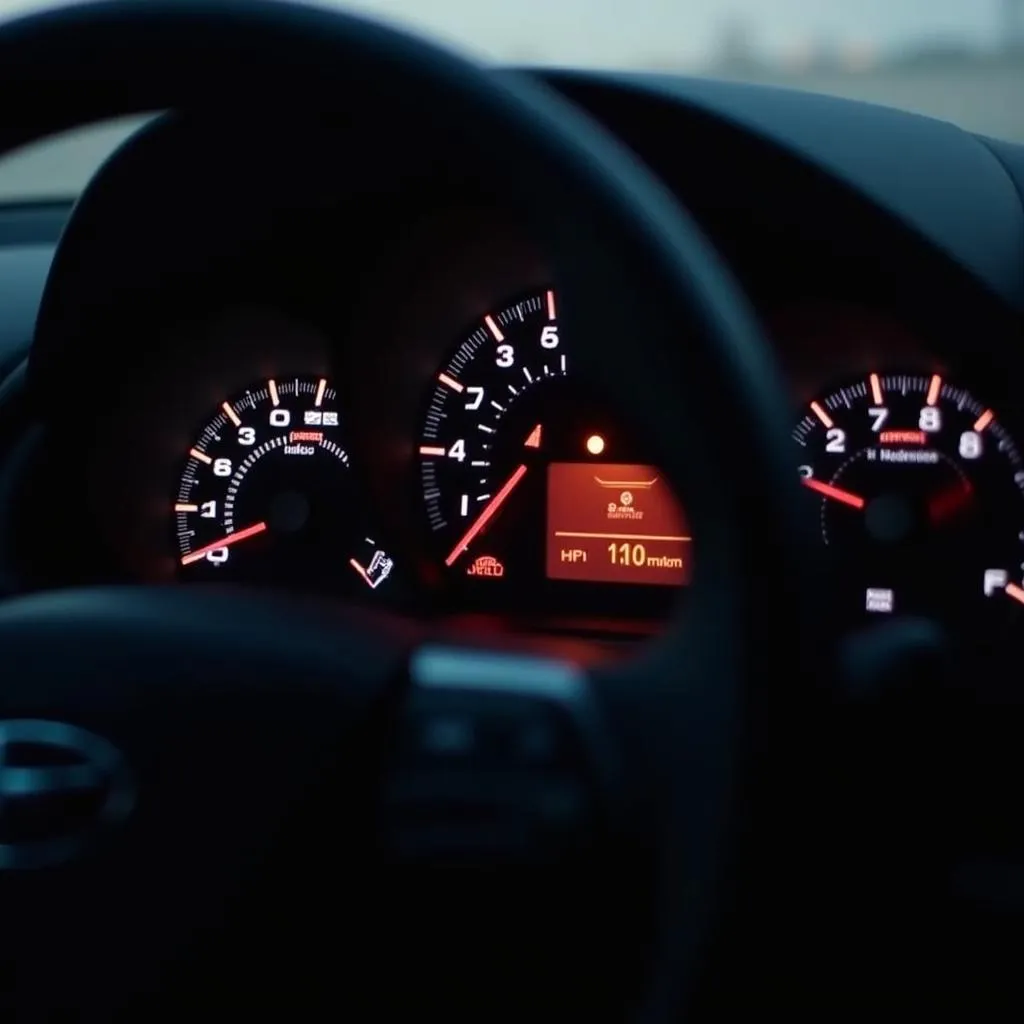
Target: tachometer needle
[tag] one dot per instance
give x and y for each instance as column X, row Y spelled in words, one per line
column 226, row 541
column 487, row 515
column 835, row 493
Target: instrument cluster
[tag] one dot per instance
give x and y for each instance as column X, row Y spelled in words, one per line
column 524, row 492
column 438, row 452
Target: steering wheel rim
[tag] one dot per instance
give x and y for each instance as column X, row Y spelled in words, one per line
column 678, row 709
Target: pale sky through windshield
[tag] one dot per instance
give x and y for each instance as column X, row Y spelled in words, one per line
column 630, row 32
column 607, row 32
column 871, row 50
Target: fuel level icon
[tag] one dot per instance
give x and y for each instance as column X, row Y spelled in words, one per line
column 373, row 564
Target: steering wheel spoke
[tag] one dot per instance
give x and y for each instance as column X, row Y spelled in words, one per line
column 501, row 758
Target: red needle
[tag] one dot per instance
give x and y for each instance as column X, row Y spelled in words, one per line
column 231, row 538
column 485, row 517
column 835, row 493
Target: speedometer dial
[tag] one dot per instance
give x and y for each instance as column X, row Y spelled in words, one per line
column 266, row 494
column 921, row 496
column 531, row 491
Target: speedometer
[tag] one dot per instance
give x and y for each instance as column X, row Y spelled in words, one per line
column 921, row 496
column 529, row 487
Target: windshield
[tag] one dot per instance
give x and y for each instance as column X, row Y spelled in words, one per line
column 958, row 60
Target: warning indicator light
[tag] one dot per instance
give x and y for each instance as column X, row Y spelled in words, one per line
column 486, row 565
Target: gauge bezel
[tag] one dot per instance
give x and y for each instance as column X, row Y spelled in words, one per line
column 845, row 434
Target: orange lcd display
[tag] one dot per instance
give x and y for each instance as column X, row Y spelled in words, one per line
column 614, row 523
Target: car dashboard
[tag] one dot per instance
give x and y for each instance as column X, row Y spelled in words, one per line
column 266, row 349
column 269, row 355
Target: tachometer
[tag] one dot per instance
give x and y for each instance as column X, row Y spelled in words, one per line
column 525, row 478
column 266, row 495
column 921, row 494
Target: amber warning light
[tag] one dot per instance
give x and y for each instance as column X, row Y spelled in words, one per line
column 614, row 523
column 486, row 565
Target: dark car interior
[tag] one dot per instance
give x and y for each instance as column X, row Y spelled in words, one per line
column 501, row 542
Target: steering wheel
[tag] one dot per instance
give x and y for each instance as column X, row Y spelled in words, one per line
column 256, row 791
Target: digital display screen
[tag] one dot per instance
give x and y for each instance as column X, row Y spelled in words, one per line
column 614, row 523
